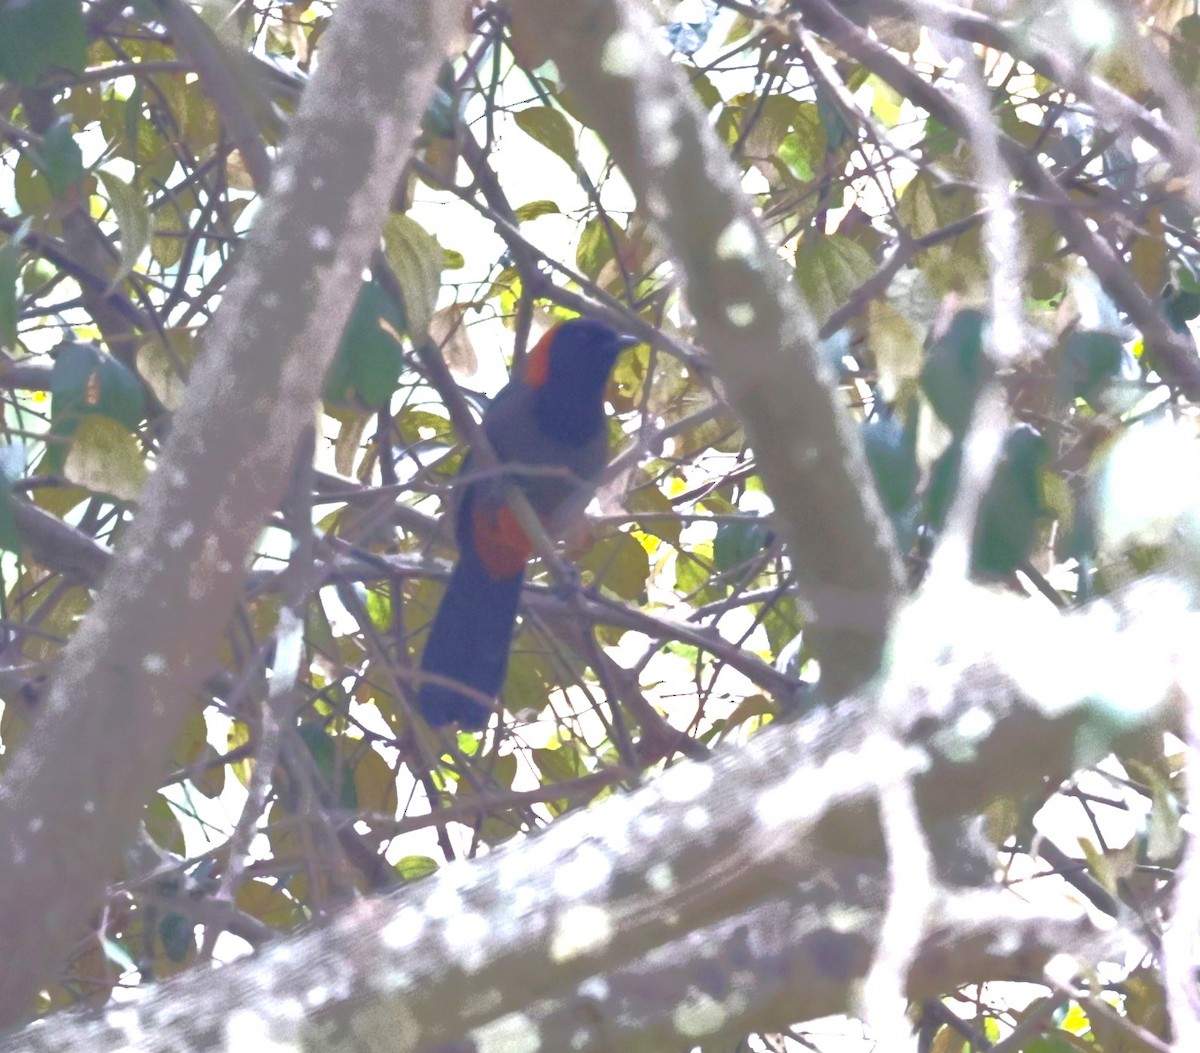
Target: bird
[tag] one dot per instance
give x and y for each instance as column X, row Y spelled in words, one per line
column 550, row 425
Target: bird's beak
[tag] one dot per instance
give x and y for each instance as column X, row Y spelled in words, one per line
column 624, row 342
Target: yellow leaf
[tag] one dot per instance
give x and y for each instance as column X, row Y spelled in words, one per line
column 133, row 222
column 375, row 784
column 105, row 458
column 898, row 349
column 165, row 365
column 550, row 128
column 1148, row 256
column 418, row 260
column 267, row 903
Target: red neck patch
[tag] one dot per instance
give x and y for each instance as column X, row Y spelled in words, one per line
column 537, row 363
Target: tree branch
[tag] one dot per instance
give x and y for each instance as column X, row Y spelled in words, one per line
column 724, row 895
column 71, row 798
column 749, row 318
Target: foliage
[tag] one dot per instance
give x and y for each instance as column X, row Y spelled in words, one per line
column 123, row 201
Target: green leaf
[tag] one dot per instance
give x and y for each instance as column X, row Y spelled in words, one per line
column 737, row 543
column 334, row 771
column 1053, row 1042
column 534, row 209
column 693, row 575
column 60, row 158
column 238, row 738
column 194, row 113
column 782, row 621
column 927, row 206
column 939, row 140
column 891, row 451
column 10, row 536
column 30, row 187
column 38, row 271
column 379, row 608
column 1013, row 508
column 374, row 783
column 266, row 902
column 899, row 351
column 550, row 128
column 165, row 244
column 595, row 248
column 1090, row 361
column 412, row 868
column 562, row 763
column 418, row 261
column 943, row 482
column 40, row 35
column 176, row 934
column 798, row 156
column 86, row 381
column 497, row 826
column 441, row 116
column 133, row 222
column 417, row 425
column 741, row 27
column 557, row 764
column 766, row 122
column 956, row 370
column 705, row 90
column 10, row 268
column 162, row 824
column 886, row 101
column 829, row 269
column 133, row 125
column 752, row 707
column 804, row 148
column 1181, row 304
column 662, row 522
column 370, row 357
column 620, row 564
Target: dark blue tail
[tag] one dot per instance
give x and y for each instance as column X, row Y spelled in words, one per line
column 469, row 642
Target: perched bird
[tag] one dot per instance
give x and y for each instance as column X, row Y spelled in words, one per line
column 550, row 425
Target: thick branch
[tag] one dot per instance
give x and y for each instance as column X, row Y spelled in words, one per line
column 680, row 873
column 787, row 960
column 748, row 317
column 72, row 797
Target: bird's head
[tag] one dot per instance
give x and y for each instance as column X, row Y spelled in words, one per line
column 568, row 370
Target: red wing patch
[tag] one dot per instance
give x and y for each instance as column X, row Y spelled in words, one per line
column 500, row 541
column 537, row 364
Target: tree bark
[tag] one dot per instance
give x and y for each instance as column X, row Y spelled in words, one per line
column 749, row 317
column 722, row 897
column 72, row 797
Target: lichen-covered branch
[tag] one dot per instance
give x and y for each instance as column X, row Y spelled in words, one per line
column 71, row 798
column 674, row 874
column 748, row 317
